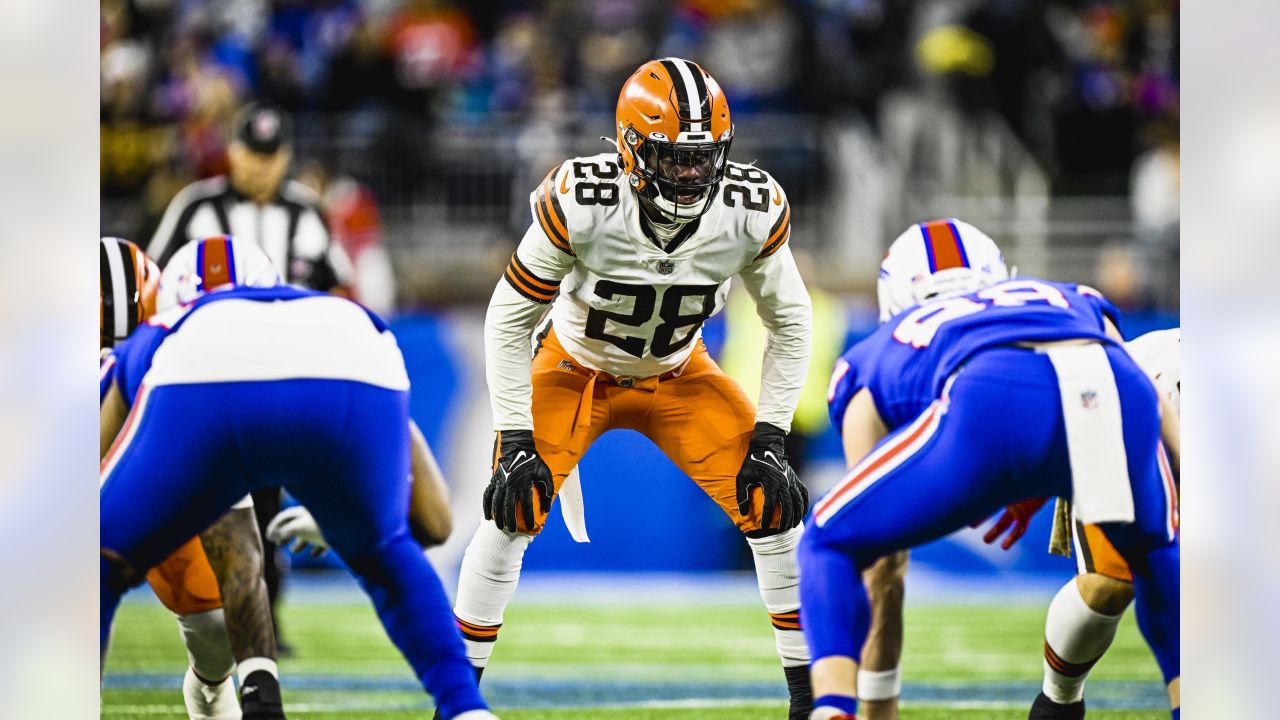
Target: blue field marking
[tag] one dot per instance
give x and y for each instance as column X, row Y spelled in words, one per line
column 536, row 694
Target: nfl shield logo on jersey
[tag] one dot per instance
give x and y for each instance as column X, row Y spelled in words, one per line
column 1089, row 399
column 666, row 267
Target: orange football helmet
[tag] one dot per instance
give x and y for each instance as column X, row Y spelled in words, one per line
column 127, row 285
column 674, row 133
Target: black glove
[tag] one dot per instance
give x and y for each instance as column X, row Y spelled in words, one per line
column 766, row 467
column 518, row 473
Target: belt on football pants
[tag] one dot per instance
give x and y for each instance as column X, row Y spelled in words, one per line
column 647, row 384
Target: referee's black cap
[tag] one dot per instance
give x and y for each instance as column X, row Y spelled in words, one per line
column 263, row 128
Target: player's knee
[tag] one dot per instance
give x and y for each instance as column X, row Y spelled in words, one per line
column 1103, row 594
column 208, row 649
column 117, row 574
column 887, row 576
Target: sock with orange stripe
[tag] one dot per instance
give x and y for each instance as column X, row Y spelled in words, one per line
column 486, row 583
column 778, row 575
column 1075, row 638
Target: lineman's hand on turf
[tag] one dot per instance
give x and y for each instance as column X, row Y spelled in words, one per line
column 295, row 528
column 520, row 472
column 1016, row 519
column 766, row 467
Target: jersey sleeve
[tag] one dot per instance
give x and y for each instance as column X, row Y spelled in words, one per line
column 548, row 212
column 843, row 386
column 128, row 362
column 782, row 302
column 777, row 222
column 1099, row 304
column 106, row 366
column 529, row 283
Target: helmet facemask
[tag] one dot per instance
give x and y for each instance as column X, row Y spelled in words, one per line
column 678, row 180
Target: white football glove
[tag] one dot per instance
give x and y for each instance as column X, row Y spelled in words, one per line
column 296, row 528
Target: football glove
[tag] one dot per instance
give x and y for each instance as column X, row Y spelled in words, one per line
column 766, row 467
column 296, row 529
column 1016, row 519
column 519, row 473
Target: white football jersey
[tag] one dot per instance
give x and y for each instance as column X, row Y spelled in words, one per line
column 623, row 305
column 627, row 306
column 1160, row 355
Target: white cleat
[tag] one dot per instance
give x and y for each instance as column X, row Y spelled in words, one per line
column 210, row 702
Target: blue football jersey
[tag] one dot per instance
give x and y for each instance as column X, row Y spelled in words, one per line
column 129, row 362
column 906, row 362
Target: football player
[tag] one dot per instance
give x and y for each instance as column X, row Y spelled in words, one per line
column 1085, row 613
column 244, row 384
column 629, row 252
column 187, row 582
column 976, row 393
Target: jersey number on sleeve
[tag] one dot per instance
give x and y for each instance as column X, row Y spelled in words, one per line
column 735, row 193
column 595, row 193
column 674, row 318
column 919, row 327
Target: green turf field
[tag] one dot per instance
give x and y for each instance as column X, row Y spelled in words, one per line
column 641, row 663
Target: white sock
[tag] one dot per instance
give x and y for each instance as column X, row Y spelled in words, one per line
column 476, row 715
column 879, row 684
column 248, row 666
column 1075, row 637
column 208, row 650
column 778, row 575
column 486, row 583
column 210, row 702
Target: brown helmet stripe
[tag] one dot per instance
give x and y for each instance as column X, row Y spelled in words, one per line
column 683, row 90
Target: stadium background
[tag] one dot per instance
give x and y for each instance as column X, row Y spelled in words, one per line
column 425, row 123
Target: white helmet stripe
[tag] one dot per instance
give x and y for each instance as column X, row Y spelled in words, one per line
column 115, row 262
column 691, row 91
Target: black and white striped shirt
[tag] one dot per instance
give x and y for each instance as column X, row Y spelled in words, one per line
column 290, row 229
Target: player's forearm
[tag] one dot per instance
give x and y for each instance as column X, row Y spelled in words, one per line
column 430, row 519
column 784, row 308
column 786, row 365
column 508, row 328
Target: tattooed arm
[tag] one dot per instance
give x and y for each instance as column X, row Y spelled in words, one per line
column 235, row 554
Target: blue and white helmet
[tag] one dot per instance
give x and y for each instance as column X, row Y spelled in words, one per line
column 935, row 260
column 211, row 263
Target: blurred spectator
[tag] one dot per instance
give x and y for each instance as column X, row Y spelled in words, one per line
column 754, row 48
column 356, row 226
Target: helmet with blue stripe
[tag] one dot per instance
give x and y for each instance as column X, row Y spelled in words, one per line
column 935, row 260
column 211, row 264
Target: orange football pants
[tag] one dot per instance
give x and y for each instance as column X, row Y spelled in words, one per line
column 185, row 582
column 1098, row 555
column 698, row 416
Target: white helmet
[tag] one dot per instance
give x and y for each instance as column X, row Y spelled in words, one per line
column 211, row 263
column 934, row 260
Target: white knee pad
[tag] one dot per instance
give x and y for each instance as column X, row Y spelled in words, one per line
column 208, row 649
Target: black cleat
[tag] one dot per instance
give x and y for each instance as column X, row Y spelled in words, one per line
column 1045, row 709
column 260, row 697
column 801, row 691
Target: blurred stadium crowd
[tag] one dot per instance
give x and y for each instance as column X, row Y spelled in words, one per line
column 1053, row 124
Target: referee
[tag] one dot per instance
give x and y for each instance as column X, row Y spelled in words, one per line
column 256, row 202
